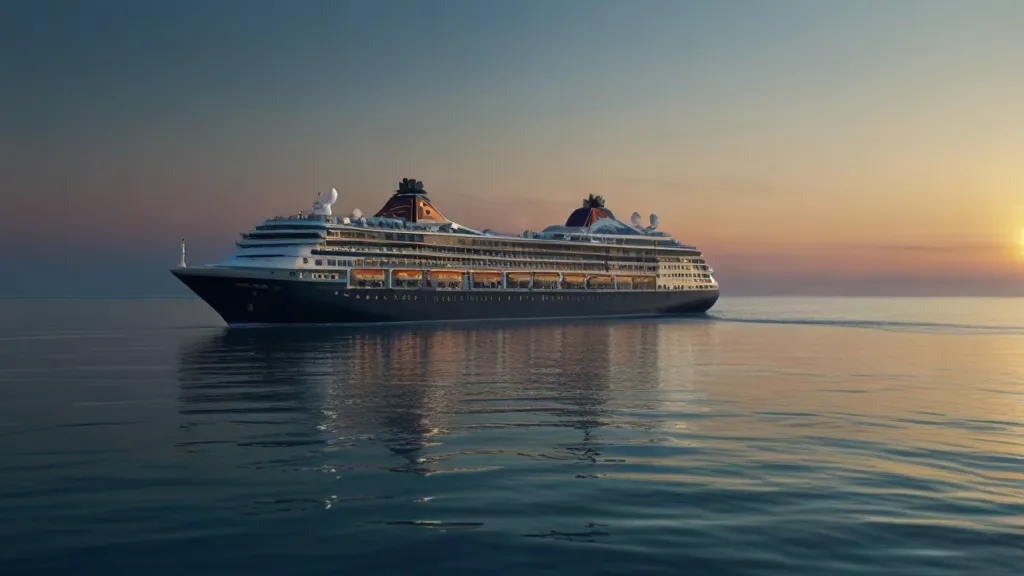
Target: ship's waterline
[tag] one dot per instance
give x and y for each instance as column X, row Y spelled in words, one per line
column 408, row 263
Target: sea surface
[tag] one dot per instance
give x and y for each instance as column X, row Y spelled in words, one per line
column 775, row 436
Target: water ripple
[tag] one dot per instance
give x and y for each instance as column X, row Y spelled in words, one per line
column 755, row 442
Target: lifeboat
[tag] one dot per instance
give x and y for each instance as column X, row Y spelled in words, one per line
column 446, row 274
column 366, row 278
column 446, row 278
column 368, row 274
column 488, row 276
column 575, row 280
column 408, row 275
column 645, row 282
column 407, row 278
column 519, row 279
column 546, row 279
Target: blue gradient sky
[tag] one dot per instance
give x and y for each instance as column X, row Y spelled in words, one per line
column 807, row 146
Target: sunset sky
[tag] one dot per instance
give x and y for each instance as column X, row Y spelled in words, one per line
column 807, row 146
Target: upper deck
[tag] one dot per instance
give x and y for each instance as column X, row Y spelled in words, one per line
column 410, row 216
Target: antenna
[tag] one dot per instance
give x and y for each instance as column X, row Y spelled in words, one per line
column 184, row 257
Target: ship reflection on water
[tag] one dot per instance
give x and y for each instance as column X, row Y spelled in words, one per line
column 424, row 394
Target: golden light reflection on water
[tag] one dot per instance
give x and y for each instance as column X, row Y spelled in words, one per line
column 941, row 408
column 864, row 376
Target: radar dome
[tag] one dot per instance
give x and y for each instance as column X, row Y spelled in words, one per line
column 322, row 206
column 635, row 219
column 357, row 214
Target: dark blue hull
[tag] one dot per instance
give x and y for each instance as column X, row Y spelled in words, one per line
column 247, row 301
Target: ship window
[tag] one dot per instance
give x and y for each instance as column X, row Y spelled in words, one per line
column 305, row 260
column 319, row 262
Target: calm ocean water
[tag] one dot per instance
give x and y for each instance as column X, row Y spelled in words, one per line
column 776, row 436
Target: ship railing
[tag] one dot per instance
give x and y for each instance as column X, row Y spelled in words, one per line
column 497, row 280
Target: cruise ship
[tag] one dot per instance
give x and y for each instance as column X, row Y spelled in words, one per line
column 409, row 263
